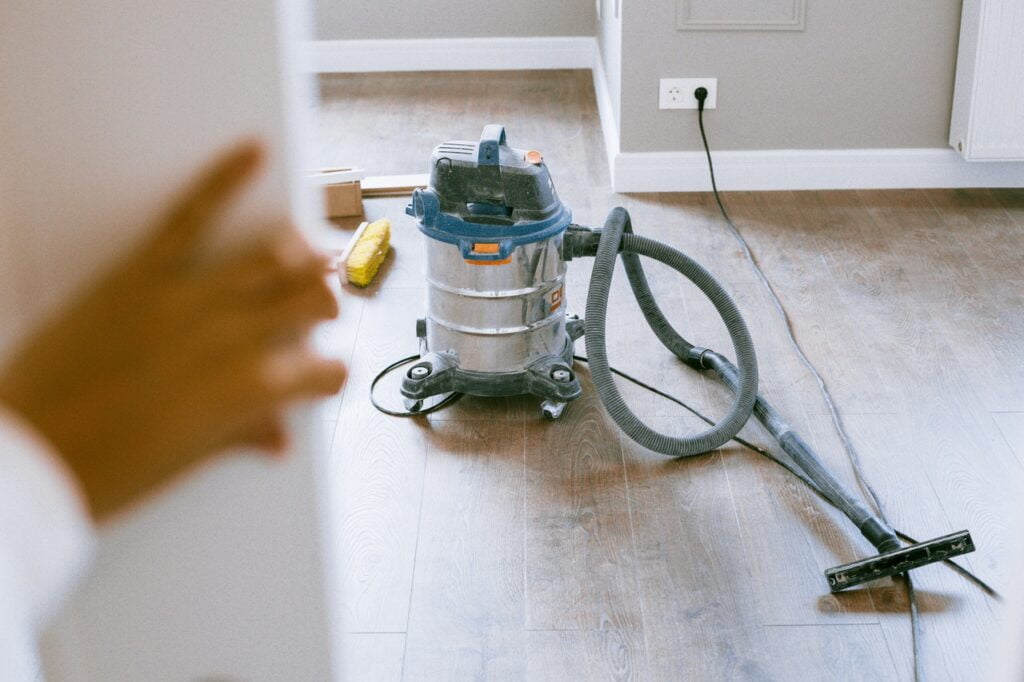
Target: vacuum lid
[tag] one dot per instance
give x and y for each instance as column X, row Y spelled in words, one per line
column 491, row 183
column 488, row 192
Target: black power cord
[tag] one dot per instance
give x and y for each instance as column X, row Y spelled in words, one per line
column 965, row 573
column 701, row 95
column 448, row 400
column 452, row 398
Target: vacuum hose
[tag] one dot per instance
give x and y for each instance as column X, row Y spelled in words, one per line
column 880, row 535
column 617, row 234
column 617, row 238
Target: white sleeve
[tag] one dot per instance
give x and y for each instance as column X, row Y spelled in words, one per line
column 46, row 542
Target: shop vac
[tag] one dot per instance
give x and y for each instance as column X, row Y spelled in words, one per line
column 498, row 243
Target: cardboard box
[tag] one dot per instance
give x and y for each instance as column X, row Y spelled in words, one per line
column 343, row 194
column 343, row 200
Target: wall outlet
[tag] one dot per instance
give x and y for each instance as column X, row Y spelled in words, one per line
column 677, row 93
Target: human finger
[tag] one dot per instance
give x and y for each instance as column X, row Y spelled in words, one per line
column 289, row 310
column 264, row 269
column 231, row 337
column 306, row 303
column 268, row 433
column 204, row 198
column 301, row 374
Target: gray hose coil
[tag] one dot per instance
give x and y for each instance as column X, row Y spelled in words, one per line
column 617, row 234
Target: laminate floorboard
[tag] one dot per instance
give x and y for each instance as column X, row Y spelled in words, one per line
column 483, row 543
column 580, row 568
column 372, row 656
column 469, row 592
column 1011, row 426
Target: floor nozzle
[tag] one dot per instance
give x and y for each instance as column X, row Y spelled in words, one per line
column 899, row 560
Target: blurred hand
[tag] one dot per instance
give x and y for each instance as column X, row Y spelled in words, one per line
column 169, row 358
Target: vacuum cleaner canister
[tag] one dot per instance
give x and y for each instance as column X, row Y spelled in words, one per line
column 495, row 322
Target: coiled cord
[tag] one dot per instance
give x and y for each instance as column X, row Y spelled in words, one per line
column 448, row 400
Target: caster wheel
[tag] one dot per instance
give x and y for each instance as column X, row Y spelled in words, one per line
column 552, row 410
column 412, row 404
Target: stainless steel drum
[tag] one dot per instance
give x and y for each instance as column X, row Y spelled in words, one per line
column 496, row 318
column 495, row 321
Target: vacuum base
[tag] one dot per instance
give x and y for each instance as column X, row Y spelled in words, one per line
column 549, row 377
column 899, row 561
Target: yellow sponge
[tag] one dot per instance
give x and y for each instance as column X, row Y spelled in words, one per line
column 367, row 251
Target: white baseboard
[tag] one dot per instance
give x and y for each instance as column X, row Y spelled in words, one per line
column 451, row 54
column 784, row 169
column 795, row 169
column 605, row 109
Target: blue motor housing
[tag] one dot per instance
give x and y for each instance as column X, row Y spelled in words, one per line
column 488, row 193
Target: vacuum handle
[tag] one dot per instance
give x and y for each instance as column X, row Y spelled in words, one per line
column 486, row 252
column 491, row 140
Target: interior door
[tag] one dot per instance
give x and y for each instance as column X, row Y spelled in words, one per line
column 106, row 107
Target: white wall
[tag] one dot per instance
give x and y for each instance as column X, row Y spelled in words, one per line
column 609, row 40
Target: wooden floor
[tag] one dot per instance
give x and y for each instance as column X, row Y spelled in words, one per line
column 486, row 544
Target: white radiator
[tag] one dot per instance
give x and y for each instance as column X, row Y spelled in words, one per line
column 988, row 103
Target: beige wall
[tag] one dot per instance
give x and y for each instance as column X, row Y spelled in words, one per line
column 866, row 74
column 380, row 19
